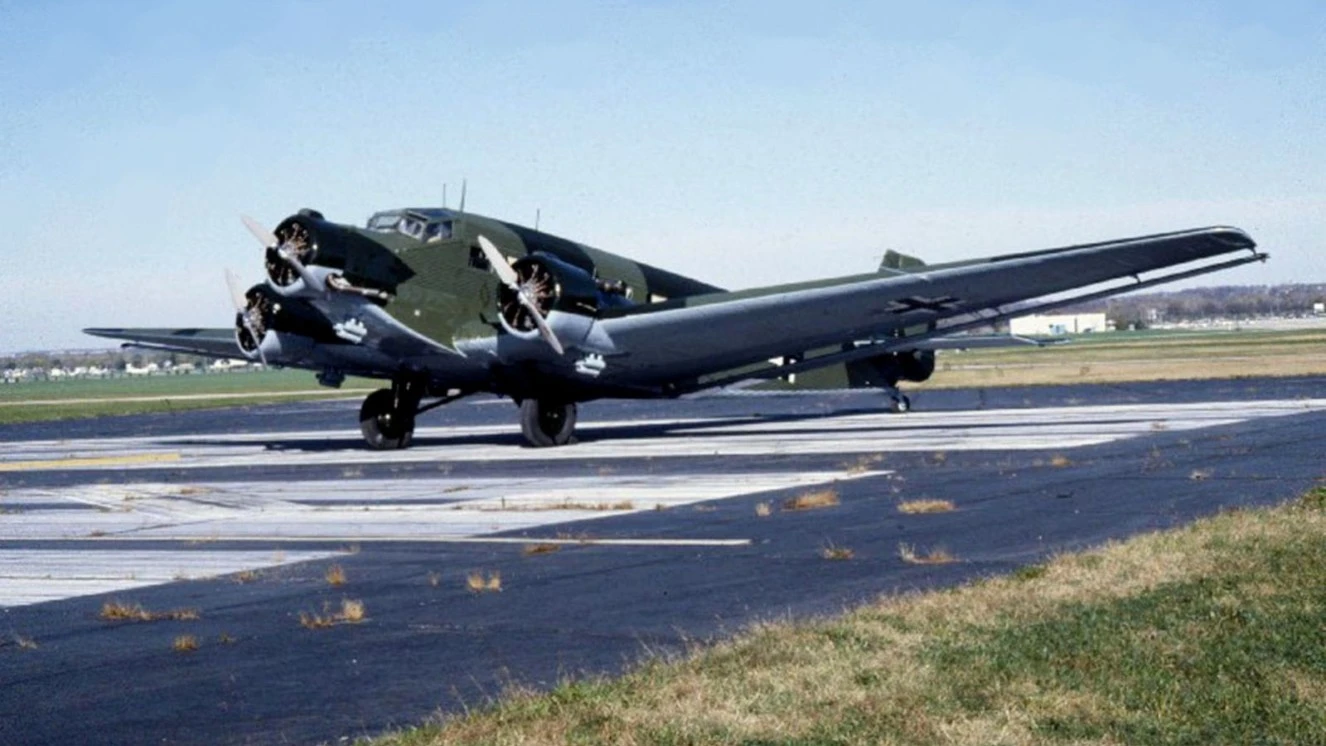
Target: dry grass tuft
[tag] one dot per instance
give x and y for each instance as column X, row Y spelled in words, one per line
column 435, row 579
column 540, row 548
column 1060, row 460
column 1200, row 474
column 939, row 457
column 22, row 642
column 118, row 611
column 185, row 644
column 825, row 498
column 912, row 507
column 247, row 576
column 863, row 463
column 351, row 612
column 936, row 556
column 335, row 576
column 763, row 510
column 567, row 504
column 832, row 551
column 477, row 583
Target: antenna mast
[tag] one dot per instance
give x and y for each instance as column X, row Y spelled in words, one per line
column 462, row 195
column 537, row 212
column 444, row 194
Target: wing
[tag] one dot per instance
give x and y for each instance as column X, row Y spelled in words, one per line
column 206, row 342
column 706, row 334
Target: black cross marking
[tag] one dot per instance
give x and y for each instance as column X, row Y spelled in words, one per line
column 919, row 303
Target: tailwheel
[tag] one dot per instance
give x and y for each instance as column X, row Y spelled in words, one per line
column 547, row 423
column 387, row 421
column 899, row 403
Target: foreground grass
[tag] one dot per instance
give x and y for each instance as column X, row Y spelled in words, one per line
column 1214, row 633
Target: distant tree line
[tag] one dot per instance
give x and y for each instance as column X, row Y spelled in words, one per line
column 113, row 360
column 1224, row 302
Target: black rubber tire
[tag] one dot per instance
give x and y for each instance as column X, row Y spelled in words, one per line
column 901, row 404
column 547, row 423
column 385, row 429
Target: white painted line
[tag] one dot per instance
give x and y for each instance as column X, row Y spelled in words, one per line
column 29, row 576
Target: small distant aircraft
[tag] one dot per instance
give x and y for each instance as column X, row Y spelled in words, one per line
column 445, row 303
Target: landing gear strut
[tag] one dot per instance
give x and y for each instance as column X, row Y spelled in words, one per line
column 547, row 423
column 387, row 417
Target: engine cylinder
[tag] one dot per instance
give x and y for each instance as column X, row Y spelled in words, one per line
column 552, row 285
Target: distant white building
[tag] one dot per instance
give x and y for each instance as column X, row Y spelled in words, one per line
column 1075, row 323
column 1319, row 309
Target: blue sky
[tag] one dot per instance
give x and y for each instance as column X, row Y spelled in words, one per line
column 744, row 143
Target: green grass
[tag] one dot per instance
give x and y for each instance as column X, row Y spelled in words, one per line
column 1138, row 356
column 55, row 400
column 1213, row 633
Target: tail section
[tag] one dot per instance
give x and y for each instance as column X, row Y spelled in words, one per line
column 899, row 262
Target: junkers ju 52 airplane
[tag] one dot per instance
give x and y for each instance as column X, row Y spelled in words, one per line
column 445, row 303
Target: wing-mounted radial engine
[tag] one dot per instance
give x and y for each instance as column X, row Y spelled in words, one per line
column 275, row 329
column 544, row 284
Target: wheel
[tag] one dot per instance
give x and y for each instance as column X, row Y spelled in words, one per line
column 384, row 427
column 901, row 404
column 547, row 423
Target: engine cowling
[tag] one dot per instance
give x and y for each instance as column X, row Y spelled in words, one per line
column 554, row 285
column 276, row 328
column 325, row 248
column 891, row 367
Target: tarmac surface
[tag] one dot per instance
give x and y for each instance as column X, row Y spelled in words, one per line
column 642, row 537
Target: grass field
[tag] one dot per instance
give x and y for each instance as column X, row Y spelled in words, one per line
column 1214, row 633
column 53, row 400
column 1138, row 356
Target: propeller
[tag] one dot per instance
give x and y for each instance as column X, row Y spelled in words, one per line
column 283, row 250
column 242, row 306
column 508, row 277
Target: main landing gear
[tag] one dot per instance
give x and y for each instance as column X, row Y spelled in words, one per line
column 546, row 422
column 387, row 417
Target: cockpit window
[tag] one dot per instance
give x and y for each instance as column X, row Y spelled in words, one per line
column 411, row 226
column 384, row 221
column 422, row 225
column 438, row 231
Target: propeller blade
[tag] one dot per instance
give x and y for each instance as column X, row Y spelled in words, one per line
column 499, row 264
column 267, row 238
column 236, row 295
column 539, row 321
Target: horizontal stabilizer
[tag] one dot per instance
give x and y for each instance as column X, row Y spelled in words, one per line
column 978, row 342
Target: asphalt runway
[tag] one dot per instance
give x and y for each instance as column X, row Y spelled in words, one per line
column 647, row 532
